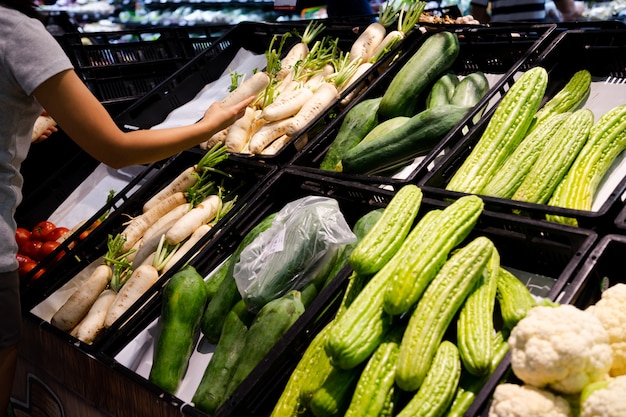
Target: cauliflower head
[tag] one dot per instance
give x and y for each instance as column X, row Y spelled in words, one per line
column 605, row 398
column 512, row 400
column 562, row 348
column 611, row 310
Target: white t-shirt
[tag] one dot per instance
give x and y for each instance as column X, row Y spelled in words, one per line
column 29, row 55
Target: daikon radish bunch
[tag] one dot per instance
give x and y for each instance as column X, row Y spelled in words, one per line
column 83, row 313
column 408, row 17
column 299, row 51
column 364, row 46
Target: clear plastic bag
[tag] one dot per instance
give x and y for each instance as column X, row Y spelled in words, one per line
column 304, row 236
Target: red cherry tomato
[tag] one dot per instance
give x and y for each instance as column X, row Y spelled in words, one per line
column 31, row 249
column 22, row 235
column 48, row 247
column 57, row 233
column 42, row 230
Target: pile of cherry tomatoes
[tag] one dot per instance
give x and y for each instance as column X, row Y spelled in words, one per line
column 36, row 244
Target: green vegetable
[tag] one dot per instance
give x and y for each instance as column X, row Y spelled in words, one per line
column 227, row 294
column 386, row 237
column 570, row 98
column 436, row 54
column 558, row 155
column 375, row 387
column 513, row 297
column 442, row 90
column 512, row 172
column 475, row 326
column 333, row 397
column 436, row 309
column 184, row 299
column 359, row 330
column 505, row 130
column 471, row 89
column 399, row 146
column 607, row 139
column 267, row 328
column 210, row 393
column 437, row 392
column 415, row 270
column 357, row 123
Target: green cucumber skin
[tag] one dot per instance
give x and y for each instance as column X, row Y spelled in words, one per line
column 266, row 329
column 442, row 91
column 415, row 137
column 433, row 58
column 355, row 126
column 209, row 394
column 184, row 299
column 227, row 294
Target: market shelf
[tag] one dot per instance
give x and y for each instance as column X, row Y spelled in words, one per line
column 498, row 52
column 544, row 256
column 194, row 82
column 601, row 52
column 45, row 295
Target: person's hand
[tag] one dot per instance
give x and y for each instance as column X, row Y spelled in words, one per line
column 43, row 128
column 223, row 116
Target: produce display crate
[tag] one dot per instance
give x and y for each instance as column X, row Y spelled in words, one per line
column 600, row 269
column 191, row 80
column 599, row 51
column 41, row 297
column 545, row 256
column 120, row 67
column 498, row 52
column 620, row 220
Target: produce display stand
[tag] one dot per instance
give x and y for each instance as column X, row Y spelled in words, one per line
column 498, row 52
column 601, row 52
column 552, row 256
column 67, row 378
column 185, row 84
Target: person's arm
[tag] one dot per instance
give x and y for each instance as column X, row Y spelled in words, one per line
column 85, row 120
column 570, row 10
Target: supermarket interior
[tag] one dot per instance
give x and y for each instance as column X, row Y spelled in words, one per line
column 462, row 184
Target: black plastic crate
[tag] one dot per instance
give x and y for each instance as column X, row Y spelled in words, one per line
column 620, row 219
column 498, row 51
column 603, row 54
column 119, row 67
column 546, row 255
column 600, row 269
column 184, row 85
column 245, row 178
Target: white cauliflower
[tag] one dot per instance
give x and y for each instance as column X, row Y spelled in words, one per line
column 611, row 310
column 605, row 398
column 512, row 400
column 562, row 348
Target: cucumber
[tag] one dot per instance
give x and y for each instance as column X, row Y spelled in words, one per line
column 441, row 92
column 398, row 147
column 357, row 123
column 471, row 89
column 436, row 54
column 266, row 329
column 227, row 294
column 184, row 299
column 209, row 394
